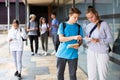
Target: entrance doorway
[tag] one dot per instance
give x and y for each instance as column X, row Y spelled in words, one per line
column 39, row 11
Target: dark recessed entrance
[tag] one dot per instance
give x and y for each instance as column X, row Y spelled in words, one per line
column 39, row 11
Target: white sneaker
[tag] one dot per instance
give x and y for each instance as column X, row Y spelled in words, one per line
column 53, row 53
column 45, row 53
column 42, row 51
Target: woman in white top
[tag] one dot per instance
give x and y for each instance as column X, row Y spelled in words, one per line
column 15, row 36
column 44, row 29
column 98, row 46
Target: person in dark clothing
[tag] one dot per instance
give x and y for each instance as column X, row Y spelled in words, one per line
column 32, row 28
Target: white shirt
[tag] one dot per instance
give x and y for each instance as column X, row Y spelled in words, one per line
column 43, row 28
column 16, row 35
column 104, row 34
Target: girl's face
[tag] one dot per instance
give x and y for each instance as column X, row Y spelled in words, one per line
column 91, row 17
column 15, row 25
column 73, row 17
column 43, row 20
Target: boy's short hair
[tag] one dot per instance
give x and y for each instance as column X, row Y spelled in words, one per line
column 32, row 15
column 74, row 10
column 53, row 13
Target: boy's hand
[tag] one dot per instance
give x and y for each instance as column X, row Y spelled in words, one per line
column 78, row 37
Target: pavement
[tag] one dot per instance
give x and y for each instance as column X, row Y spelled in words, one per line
column 34, row 67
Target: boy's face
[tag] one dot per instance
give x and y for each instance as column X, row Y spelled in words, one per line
column 52, row 16
column 74, row 17
column 33, row 18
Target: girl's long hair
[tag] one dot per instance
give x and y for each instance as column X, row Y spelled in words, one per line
column 91, row 9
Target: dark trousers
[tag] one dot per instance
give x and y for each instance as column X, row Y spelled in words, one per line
column 61, row 63
column 44, row 41
column 56, row 41
column 33, row 37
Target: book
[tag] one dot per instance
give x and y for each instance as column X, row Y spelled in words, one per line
column 73, row 45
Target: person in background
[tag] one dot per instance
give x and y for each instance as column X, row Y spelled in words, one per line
column 32, row 29
column 54, row 29
column 70, row 34
column 44, row 30
column 15, row 36
column 98, row 46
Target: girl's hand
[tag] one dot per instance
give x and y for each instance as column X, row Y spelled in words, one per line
column 10, row 40
column 95, row 40
column 32, row 29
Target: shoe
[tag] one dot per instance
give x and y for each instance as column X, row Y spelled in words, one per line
column 45, row 54
column 53, row 53
column 40, row 54
column 19, row 76
column 33, row 54
column 16, row 73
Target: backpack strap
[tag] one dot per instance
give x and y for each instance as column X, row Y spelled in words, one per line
column 20, row 30
column 29, row 25
column 64, row 26
column 78, row 28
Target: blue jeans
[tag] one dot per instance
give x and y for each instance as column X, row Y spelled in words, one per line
column 61, row 63
column 17, row 55
column 56, row 41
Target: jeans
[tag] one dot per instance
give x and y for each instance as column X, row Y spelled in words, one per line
column 33, row 37
column 17, row 55
column 44, row 41
column 61, row 63
column 56, row 41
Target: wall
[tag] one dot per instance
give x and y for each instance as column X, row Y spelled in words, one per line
column 3, row 13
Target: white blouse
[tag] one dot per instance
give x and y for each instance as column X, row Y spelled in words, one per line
column 43, row 28
column 16, row 35
column 104, row 34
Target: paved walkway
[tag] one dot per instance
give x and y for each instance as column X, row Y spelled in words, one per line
column 34, row 67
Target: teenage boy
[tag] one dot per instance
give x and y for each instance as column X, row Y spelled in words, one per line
column 32, row 29
column 69, row 33
column 54, row 29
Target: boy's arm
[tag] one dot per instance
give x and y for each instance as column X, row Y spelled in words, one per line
column 62, row 38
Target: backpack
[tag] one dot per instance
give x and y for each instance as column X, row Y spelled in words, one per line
column 79, row 26
column 21, row 36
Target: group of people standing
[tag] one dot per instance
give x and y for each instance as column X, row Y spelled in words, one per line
column 98, row 35
column 34, row 30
